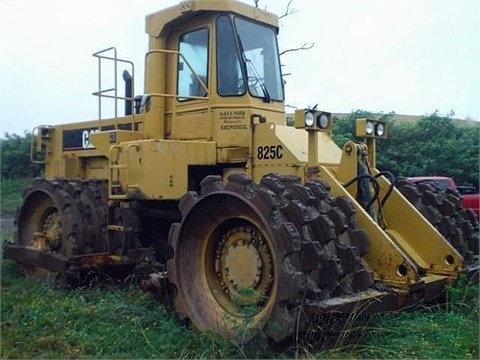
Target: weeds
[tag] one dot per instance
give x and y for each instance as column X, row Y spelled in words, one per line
column 47, row 321
column 41, row 320
column 11, row 191
column 447, row 330
column 461, row 297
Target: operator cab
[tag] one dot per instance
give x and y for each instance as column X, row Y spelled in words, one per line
column 219, row 65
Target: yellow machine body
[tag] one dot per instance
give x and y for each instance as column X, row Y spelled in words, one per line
column 188, row 125
column 232, row 135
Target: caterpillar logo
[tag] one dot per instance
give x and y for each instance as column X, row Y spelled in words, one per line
column 78, row 139
column 85, row 139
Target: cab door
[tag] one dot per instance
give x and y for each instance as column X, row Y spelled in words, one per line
column 188, row 110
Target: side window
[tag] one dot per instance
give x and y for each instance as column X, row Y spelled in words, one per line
column 192, row 64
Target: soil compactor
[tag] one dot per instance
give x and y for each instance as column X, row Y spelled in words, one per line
column 202, row 182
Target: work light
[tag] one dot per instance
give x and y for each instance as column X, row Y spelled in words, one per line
column 367, row 128
column 323, row 121
column 379, row 129
column 309, row 119
column 313, row 120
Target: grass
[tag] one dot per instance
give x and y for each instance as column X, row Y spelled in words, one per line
column 45, row 320
column 42, row 320
column 446, row 331
column 11, row 195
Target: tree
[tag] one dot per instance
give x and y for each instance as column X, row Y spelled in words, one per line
column 433, row 145
column 15, row 157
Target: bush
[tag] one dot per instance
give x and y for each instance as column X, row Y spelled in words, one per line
column 15, row 157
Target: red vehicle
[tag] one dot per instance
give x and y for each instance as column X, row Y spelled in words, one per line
column 470, row 194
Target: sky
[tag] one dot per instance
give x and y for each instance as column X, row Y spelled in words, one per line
column 410, row 57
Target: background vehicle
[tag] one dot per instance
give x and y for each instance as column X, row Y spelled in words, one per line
column 470, row 200
column 202, row 182
column 469, row 194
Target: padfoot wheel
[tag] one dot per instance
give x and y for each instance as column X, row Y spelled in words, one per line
column 443, row 209
column 228, row 266
column 60, row 217
column 248, row 256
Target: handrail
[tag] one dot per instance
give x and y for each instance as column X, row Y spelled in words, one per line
column 177, row 96
column 114, row 165
column 106, row 93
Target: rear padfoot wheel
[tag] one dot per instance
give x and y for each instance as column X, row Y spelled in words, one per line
column 61, row 217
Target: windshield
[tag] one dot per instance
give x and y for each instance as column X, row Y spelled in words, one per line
column 248, row 59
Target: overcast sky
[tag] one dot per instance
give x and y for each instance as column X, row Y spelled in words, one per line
column 411, row 57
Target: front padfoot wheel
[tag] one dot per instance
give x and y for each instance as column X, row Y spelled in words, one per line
column 248, row 257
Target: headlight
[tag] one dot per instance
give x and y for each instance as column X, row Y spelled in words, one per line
column 379, row 130
column 309, row 119
column 322, row 121
column 369, row 128
column 313, row 120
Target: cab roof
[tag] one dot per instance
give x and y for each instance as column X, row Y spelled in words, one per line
column 156, row 22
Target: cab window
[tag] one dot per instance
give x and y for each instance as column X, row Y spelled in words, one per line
column 230, row 78
column 192, row 64
column 247, row 59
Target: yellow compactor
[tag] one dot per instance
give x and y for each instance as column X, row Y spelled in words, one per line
column 202, row 182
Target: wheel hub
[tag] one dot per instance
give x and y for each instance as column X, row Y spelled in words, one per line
column 244, row 266
column 50, row 238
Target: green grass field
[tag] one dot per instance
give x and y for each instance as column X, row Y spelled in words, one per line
column 11, row 195
column 43, row 320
